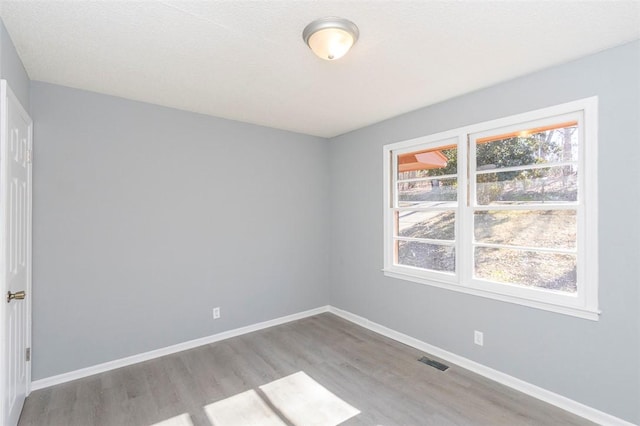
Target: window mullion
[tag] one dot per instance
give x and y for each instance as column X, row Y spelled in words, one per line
column 527, row 167
column 465, row 226
column 426, row 178
column 425, row 240
column 527, row 248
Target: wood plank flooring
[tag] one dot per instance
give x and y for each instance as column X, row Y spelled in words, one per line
column 378, row 376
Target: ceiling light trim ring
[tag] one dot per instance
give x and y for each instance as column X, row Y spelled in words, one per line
column 330, row 22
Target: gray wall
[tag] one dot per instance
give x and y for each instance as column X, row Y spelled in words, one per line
column 145, row 218
column 596, row 363
column 11, row 68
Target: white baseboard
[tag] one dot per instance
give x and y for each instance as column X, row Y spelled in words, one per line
column 134, row 359
column 559, row 401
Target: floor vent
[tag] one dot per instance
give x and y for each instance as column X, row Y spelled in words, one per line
column 435, row 364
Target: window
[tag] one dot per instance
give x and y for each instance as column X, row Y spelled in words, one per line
column 505, row 209
column 427, row 202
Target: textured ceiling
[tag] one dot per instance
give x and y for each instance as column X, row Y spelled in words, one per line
column 246, row 61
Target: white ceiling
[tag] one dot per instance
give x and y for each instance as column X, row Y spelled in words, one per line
column 246, row 60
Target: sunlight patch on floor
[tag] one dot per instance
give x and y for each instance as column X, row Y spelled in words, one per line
column 296, row 399
column 243, row 409
column 305, row 402
column 181, row 420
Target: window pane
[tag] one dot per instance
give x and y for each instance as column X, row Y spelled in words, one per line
column 427, row 192
column 437, row 225
column 527, row 268
column 537, row 228
column 529, row 146
column 426, row 256
column 425, row 163
column 551, row 184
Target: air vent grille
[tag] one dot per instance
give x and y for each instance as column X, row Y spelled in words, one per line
column 435, row 364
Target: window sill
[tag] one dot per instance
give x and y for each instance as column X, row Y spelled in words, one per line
column 593, row 315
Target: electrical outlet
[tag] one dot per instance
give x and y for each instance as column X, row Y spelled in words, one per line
column 216, row 313
column 478, row 338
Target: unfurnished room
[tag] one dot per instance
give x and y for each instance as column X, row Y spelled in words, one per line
column 319, row 213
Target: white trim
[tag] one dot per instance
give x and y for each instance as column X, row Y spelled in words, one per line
column 146, row 356
column 590, row 180
column 3, row 281
column 427, row 178
column 537, row 392
column 533, row 166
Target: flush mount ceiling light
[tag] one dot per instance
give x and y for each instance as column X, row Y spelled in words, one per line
column 330, row 38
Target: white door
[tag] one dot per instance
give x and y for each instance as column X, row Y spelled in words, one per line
column 15, row 257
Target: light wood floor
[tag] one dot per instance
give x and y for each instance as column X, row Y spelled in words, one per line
column 376, row 375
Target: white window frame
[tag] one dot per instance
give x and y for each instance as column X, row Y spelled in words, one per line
column 582, row 304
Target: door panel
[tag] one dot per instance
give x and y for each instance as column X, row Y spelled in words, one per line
column 15, row 245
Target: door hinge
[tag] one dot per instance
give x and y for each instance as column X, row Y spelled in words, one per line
column 29, row 156
column 28, row 354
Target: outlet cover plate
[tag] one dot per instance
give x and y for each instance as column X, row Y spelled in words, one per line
column 478, row 338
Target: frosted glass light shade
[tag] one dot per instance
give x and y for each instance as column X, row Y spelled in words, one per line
column 330, row 38
column 330, row 44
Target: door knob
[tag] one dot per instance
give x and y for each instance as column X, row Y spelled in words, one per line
column 18, row 295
